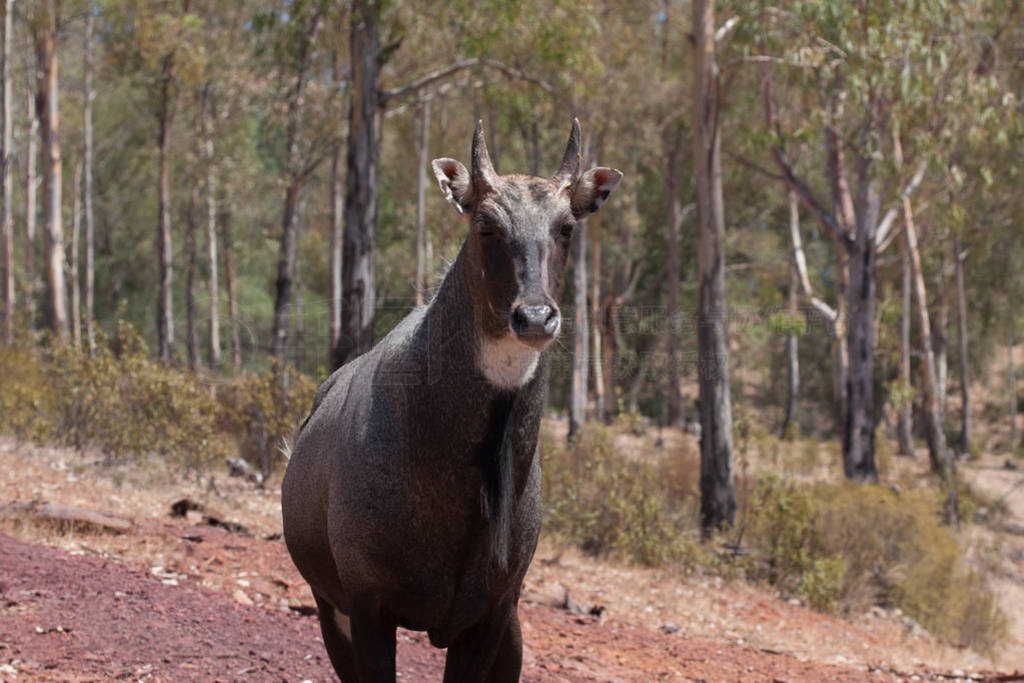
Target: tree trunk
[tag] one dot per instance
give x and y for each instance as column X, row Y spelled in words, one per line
column 300, row 331
column 673, row 137
column 336, row 244
column 165, row 304
column 621, row 290
column 609, row 331
column 297, row 177
column 207, row 115
column 286, row 270
column 90, row 227
column 843, row 202
column 636, row 383
column 859, row 430
column 421, row 203
column 792, row 341
column 229, row 281
column 31, row 209
column 580, row 343
column 361, row 183
column 718, row 492
column 904, row 428
column 76, row 230
column 929, row 382
column 47, row 105
column 941, row 461
column 1011, row 375
column 940, row 342
column 337, row 224
column 961, row 319
column 597, row 359
column 534, row 146
column 6, row 224
column 191, row 256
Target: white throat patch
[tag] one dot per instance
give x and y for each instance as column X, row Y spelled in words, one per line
column 506, row 362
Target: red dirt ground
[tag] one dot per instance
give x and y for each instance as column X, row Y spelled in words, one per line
column 64, row 617
column 175, row 599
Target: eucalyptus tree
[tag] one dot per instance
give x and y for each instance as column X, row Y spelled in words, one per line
column 88, row 95
column 44, row 24
column 869, row 74
column 159, row 44
column 294, row 31
column 6, row 224
column 31, row 185
column 717, row 482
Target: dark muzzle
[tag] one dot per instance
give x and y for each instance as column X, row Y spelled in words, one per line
column 538, row 322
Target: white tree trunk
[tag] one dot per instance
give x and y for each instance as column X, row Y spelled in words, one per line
column 48, row 105
column 76, row 229
column 961, row 318
column 31, row 207
column 211, row 228
column 90, row 228
column 6, row 224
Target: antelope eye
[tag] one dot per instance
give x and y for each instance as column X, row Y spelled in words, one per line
column 567, row 229
column 486, row 229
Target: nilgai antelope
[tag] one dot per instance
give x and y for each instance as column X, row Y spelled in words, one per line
column 412, row 496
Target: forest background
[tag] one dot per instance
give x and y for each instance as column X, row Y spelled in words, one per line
column 817, row 239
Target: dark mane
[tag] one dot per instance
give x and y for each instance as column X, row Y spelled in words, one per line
column 495, row 458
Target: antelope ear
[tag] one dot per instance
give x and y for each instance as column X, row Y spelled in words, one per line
column 455, row 183
column 593, row 189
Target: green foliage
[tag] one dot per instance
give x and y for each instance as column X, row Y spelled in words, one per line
column 263, row 413
column 783, row 323
column 610, row 504
column 901, row 394
column 821, row 583
column 844, row 547
column 26, row 398
column 123, row 404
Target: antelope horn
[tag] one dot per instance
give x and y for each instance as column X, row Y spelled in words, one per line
column 569, row 170
column 485, row 178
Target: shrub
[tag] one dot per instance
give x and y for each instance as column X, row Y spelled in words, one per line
column 263, row 413
column 847, row 546
column 26, row 399
column 124, row 404
column 121, row 402
column 609, row 504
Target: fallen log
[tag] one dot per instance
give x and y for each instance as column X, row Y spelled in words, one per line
column 68, row 514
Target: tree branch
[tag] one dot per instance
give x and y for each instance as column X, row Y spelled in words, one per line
column 440, row 91
column 890, row 216
column 627, row 293
column 753, row 59
column 808, row 198
column 724, row 29
column 824, row 310
column 800, row 261
column 440, row 74
column 788, row 176
column 743, row 161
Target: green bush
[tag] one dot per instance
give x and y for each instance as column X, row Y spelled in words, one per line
column 262, row 412
column 124, row 404
column 847, row 546
column 609, row 504
column 26, row 399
